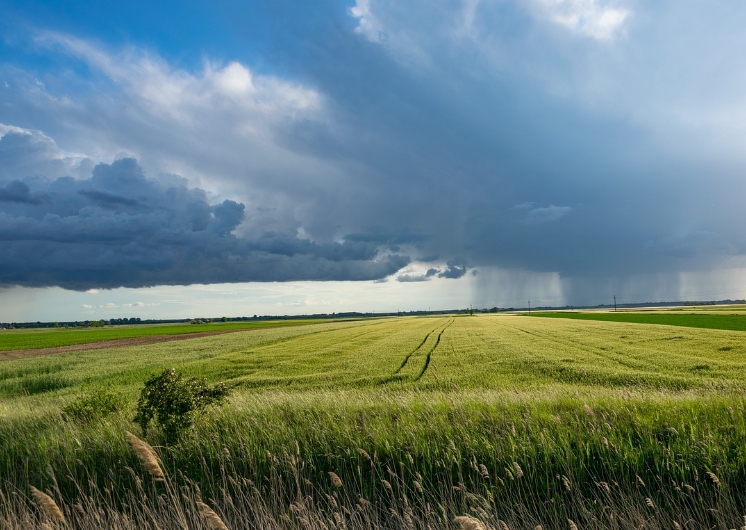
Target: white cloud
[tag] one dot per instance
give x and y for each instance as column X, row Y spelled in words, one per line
column 139, row 304
column 368, row 25
column 592, row 18
column 547, row 215
column 38, row 154
column 231, row 88
column 5, row 129
column 226, row 128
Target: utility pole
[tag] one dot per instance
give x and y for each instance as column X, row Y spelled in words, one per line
column 614, row 303
column 529, row 307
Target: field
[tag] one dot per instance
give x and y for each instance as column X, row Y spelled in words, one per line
column 396, row 423
column 735, row 320
column 24, row 339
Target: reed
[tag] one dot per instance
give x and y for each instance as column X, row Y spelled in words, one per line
column 146, row 455
column 48, row 506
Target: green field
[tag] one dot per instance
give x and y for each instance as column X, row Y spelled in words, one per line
column 514, row 420
column 734, row 321
column 26, row 339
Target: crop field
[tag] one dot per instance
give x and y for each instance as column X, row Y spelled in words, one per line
column 733, row 320
column 24, row 339
column 492, row 421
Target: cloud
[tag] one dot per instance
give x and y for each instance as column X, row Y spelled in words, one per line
column 692, row 244
column 453, row 270
column 546, row 215
column 593, row 18
column 178, row 94
column 17, row 191
column 408, row 278
column 121, row 228
column 409, row 139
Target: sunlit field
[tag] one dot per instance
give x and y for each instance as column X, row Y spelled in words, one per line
column 507, row 420
column 24, row 339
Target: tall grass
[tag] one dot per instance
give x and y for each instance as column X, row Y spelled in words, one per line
column 396, row 460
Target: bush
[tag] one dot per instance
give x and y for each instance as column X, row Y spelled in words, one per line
column 173, row 401
column 97, row 403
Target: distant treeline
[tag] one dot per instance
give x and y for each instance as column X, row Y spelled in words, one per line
column 205, row 320
column 351, row 314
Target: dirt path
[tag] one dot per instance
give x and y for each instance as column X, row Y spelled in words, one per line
column 10, row 355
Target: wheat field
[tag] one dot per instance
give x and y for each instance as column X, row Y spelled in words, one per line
column 433, row 422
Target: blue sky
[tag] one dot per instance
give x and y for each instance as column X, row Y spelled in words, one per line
column 176, row 159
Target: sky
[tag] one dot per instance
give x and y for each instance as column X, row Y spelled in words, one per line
column 174, row 160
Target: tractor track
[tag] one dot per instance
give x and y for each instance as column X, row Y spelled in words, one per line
column 406, row 359
column 430, row 353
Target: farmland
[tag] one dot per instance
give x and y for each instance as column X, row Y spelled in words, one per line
column 25, row 339
column 735, row 320
column 509, row 419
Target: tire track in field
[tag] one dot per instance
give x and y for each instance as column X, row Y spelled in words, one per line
column 430, row 353
column 406, row 358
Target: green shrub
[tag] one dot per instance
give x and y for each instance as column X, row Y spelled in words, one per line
column 96, row 403
column 173, row 401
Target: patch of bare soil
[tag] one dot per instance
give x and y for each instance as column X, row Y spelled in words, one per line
column 114, row 343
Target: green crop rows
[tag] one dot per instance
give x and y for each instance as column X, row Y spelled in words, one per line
column 530, row 420
column 733, row 322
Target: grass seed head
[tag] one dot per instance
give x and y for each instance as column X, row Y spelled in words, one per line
column 518, row 470
column 572, row 524
column 48, row 505
column 214, row 522
column 147, row 456
column 336, row 481
column 467, row 522
column 714, row 478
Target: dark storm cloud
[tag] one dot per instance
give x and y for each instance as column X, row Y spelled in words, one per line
column 120, row 228
column 107, row 200
column 453, row 271
column 623, row 157
column 17, row 191
column 458, row 117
